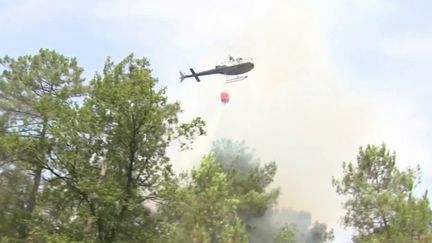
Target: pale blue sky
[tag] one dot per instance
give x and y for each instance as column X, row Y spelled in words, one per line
column 387, row 48
column 359, row 67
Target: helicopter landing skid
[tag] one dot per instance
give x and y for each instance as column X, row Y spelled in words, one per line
column 235, row 79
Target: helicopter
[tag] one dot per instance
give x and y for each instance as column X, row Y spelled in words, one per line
column 235, row 67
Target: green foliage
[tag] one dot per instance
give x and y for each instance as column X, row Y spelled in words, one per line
column 94, row 167
column 288, row 234
column 34, row 92
column 203, row 209
column 319, row 233
column 250, row 182
column 97, row 170
column 14, row 188
column 109, row 154
column 381, row 205
column 266, row 228
column 247, row 177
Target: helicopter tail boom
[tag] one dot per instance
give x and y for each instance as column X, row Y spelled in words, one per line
column 183, row 76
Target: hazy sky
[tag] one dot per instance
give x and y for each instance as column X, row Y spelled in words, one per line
column 330, row 76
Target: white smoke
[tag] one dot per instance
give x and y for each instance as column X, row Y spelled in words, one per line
column 295, row 107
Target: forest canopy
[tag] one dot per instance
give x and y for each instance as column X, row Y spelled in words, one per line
column 86, row 161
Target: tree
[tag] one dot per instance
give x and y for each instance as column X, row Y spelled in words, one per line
column 250, row 181
column 287, row 234
column 14, row 189
column 34, row 90
column 275, row 221
column 319, row 233
column 203, row 208
column 109, row 161
column 381, row 206
column 248, row 178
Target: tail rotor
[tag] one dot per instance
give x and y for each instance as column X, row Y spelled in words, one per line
column 182, row 76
